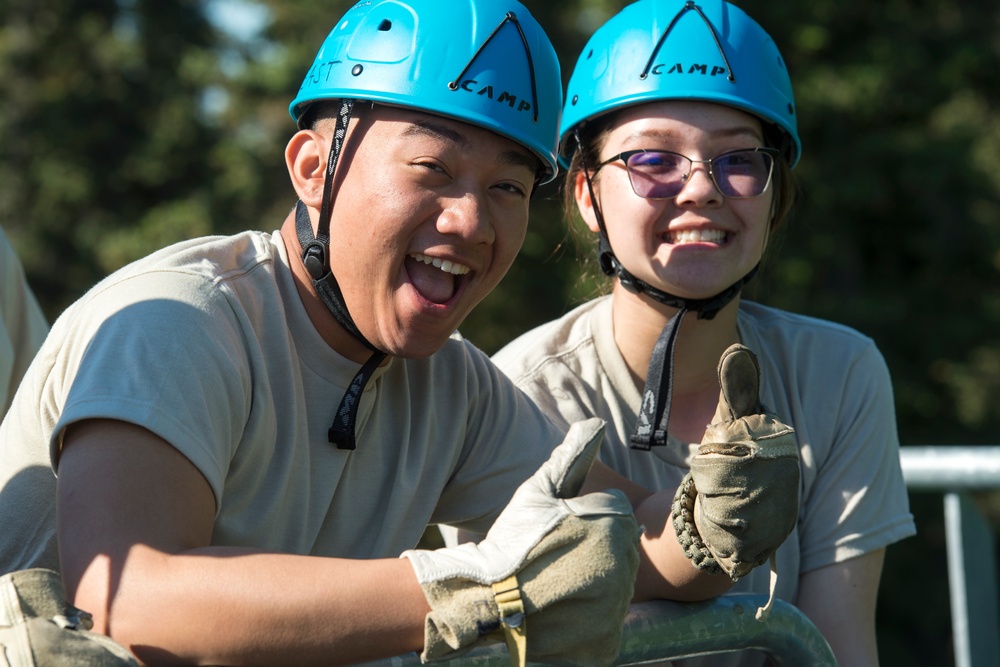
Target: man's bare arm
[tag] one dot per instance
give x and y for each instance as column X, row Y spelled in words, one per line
column 135, row 522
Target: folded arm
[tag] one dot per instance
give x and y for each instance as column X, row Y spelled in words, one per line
column 840, row 599
column 135, row 522
column 665, row 573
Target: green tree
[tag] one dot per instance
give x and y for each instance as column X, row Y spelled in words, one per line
column 102, row 134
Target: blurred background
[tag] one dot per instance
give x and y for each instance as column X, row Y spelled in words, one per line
column 126, row 125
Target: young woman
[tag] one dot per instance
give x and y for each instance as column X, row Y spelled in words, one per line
column 679, row 133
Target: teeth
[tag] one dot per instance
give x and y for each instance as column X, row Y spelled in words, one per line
column 445, row 265
column 698, row 236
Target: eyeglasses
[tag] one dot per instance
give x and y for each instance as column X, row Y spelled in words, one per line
column 663, row 174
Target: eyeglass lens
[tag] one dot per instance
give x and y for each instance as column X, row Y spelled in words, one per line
column 662, row 174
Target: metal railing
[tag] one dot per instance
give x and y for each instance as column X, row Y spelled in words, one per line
column 661, row 631
column 972, row 583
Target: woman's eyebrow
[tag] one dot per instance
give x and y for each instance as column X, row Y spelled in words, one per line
column 722, row 133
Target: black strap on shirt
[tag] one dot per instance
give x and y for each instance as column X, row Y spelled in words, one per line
column 342, row 432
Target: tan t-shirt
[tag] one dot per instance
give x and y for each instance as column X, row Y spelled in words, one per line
column 830, row 382
column 22, row 324
column 207, row 344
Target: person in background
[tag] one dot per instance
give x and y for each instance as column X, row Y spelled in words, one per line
column 251, row 433
column 22, row 325
column 680, row 134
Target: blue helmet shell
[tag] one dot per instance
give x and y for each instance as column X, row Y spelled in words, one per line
column 624, row 64
column 464, row 59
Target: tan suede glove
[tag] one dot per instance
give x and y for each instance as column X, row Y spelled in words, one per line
column 555, row 573
column 741, row 499
column 38, row 628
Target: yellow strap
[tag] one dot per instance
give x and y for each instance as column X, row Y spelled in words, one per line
column 508, row 597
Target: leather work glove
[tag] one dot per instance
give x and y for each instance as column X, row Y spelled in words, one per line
column 741, row 499
column 555, row 573
column 38, row 628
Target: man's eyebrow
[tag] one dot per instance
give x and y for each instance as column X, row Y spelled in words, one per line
column 520, row 159
column 428, row 128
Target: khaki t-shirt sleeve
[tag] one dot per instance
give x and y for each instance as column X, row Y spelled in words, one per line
column 858, row 501
column 164, row 351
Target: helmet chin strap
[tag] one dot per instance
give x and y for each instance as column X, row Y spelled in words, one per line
column 316, row 258
column 654, row 412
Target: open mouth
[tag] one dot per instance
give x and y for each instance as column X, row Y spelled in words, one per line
column 681, row 237
column 435, row 279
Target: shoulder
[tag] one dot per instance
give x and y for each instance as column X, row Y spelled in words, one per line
column 195, row 273
column 802, row 341
column 782, row 324
column 173, row 302
column 819, row 366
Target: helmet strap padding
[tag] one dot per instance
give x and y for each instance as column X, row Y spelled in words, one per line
column 316, row 258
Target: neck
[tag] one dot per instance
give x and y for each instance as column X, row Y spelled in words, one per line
column 325, row 323
column 638, row 322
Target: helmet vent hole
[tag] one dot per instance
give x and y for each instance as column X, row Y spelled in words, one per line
column 385, row 25
column 590, row 54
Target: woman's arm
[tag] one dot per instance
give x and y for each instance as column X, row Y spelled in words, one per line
column 840, row 600
column 665, row 573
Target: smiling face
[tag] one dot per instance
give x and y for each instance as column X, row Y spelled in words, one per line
column 427, row 219
column 700, row 242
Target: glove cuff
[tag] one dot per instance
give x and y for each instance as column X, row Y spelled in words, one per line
column 686, row 530
column 39, row 627
column 462, row 613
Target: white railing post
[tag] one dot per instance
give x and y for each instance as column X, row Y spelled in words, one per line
column 972, row 583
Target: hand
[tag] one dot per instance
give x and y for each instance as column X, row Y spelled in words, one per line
column 560, row 548
column 740, row 500
column 38, row 627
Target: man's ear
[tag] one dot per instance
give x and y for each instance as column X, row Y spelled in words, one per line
column 305, row 157
column 584, row 202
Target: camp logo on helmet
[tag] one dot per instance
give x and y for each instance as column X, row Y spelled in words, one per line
column 692, row 69
column 504, row 96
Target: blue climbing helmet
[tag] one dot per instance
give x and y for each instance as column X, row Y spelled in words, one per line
column 706, row 50
column 484, row 62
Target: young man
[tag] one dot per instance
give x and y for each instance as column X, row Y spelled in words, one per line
column 248, row 432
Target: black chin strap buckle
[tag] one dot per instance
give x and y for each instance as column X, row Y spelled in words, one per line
column 314, row 258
